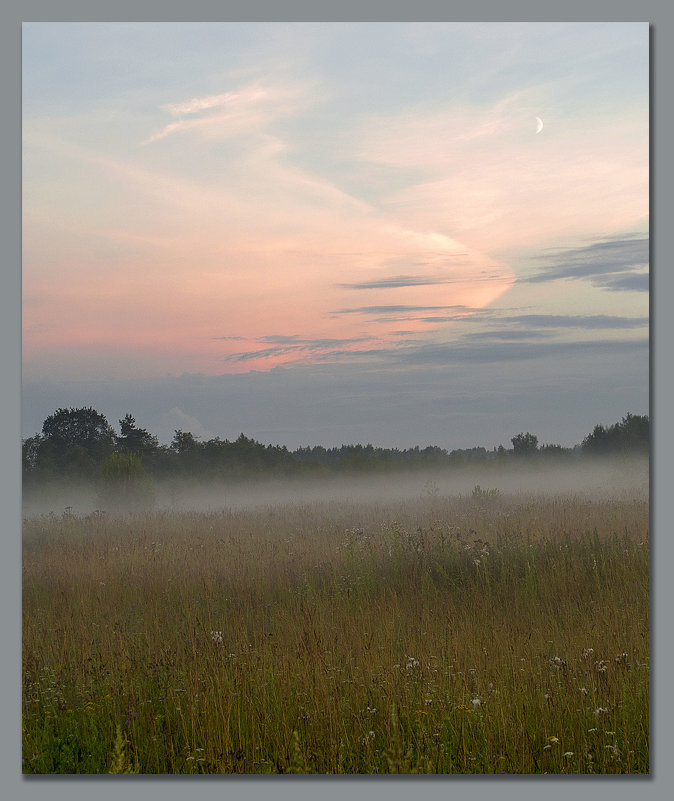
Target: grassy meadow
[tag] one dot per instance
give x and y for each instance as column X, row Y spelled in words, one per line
column 479, row 633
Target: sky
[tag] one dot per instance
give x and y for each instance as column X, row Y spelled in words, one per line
column 327, row 233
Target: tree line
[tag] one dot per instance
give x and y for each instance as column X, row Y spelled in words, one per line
column 80, row 443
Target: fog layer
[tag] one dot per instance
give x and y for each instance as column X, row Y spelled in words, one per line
column 601, row 478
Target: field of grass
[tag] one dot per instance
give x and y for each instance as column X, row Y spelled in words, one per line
column 473, row 634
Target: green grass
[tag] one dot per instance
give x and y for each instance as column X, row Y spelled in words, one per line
column 465, row 635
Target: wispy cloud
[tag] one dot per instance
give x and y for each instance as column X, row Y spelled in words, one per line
column 300, row 342
column 295, row 346
column 395, row 282
column 478, row 353
column 497, row 347
column 229, row 99
column 591, row 321
column 236, row 113
column 497, row 335
column 400, row 309
column 616, row 263
column 623, row 282
column 401, row 281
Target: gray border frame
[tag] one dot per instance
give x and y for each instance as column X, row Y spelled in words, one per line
column 660, row 15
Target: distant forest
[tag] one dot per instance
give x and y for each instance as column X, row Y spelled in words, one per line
column 80, row 444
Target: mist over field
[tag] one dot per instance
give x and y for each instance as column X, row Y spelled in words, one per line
column 233, row 607
column 601, row 477
column 464, row 621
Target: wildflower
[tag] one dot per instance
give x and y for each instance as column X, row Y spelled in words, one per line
column 216, row 636
column 428, row 701
column 601, row 710
column 464, row 708
column 568, row 753
column 553, row 739
column 476, row 703
column 587, row 653
column 411, row 663
column 601, row 665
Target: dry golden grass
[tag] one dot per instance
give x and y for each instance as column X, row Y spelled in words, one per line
column 444, row 635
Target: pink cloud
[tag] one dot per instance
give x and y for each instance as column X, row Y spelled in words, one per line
column 233, row 114
column 245, row 97
column 174, row 265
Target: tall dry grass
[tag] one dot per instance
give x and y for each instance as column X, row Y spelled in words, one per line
column 446, row 635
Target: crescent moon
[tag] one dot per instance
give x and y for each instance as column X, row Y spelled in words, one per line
column 539, row 126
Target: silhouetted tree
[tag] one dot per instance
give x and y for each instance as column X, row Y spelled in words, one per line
column 630, row 434
column 525, row 444
column 76, row 439
column 30, row 453
column 635, row 432
column 133, row 439
column 184, row 442
column 555, row 452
